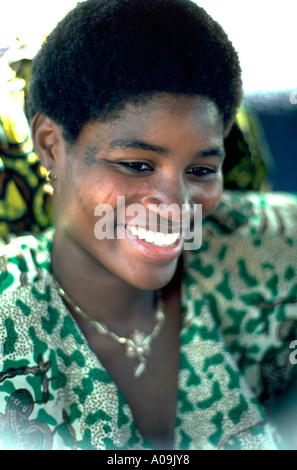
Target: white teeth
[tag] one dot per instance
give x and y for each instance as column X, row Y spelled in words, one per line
column 150, row 236
column 156, row 238
column 133, row 230
column 159, row 239
column 171, row 238
column 141, row 233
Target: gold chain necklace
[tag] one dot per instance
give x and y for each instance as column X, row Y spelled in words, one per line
column 138, row 344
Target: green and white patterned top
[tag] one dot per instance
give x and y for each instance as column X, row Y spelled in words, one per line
column 239, row 298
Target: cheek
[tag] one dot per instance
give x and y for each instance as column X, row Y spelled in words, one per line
column 91, row 191
column 211, row 198
column 88, row 200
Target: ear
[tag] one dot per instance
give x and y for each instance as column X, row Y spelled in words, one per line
column 47, row 140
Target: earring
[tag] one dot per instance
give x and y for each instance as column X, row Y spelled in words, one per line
column 48, row 187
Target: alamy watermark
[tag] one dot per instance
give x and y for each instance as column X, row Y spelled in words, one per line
column 159, row 223
column 293, row 355
column 293, row 97
column 1, row 354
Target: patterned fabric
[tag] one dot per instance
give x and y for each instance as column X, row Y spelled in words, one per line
column 24, row 206
column 248, row 163
column 239, row 303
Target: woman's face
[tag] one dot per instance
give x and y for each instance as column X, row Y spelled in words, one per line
column 167, row 151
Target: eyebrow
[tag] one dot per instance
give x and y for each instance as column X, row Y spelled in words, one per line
column 141, row 145
column 215, row 152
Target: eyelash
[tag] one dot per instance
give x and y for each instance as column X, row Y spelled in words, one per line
column 134, row 167
column 208, row 171
column 129, row 166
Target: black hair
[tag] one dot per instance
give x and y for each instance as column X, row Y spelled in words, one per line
column 105, row 53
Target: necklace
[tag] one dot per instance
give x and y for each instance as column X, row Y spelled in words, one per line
column 138, row 344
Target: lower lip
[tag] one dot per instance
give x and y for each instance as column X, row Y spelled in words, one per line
column 154, row 252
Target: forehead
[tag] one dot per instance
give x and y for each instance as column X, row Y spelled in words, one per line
column 163, row 117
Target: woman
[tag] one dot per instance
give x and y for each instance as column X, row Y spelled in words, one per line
column 133, row 100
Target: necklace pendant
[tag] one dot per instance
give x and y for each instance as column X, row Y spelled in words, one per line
column 136, row 345
column 138, row 371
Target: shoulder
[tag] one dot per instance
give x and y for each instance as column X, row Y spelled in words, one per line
column 254, row 214
column 24, row 260
column 248, row 246
column 245, row 274
column 24, row 272
column 250, row 237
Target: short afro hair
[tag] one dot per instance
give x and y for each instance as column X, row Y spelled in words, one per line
column 105, row 53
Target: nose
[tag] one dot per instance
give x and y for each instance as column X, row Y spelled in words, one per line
column 170, row 200
column 176, row 212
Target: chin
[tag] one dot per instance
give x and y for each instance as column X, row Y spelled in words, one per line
column 154, row 279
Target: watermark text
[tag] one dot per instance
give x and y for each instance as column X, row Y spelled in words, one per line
column 160, row 224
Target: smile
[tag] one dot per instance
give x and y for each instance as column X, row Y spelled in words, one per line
column 155, row 238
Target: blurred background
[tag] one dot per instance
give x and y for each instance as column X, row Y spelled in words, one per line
column 264, row 32
column 261, row 149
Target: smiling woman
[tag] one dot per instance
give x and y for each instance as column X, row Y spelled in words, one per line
column 175, row 139
column 131, row 341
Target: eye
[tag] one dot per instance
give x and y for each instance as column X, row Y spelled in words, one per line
column 202, row 172
column 136, row 167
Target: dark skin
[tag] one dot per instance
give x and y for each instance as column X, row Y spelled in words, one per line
column 168, row 150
